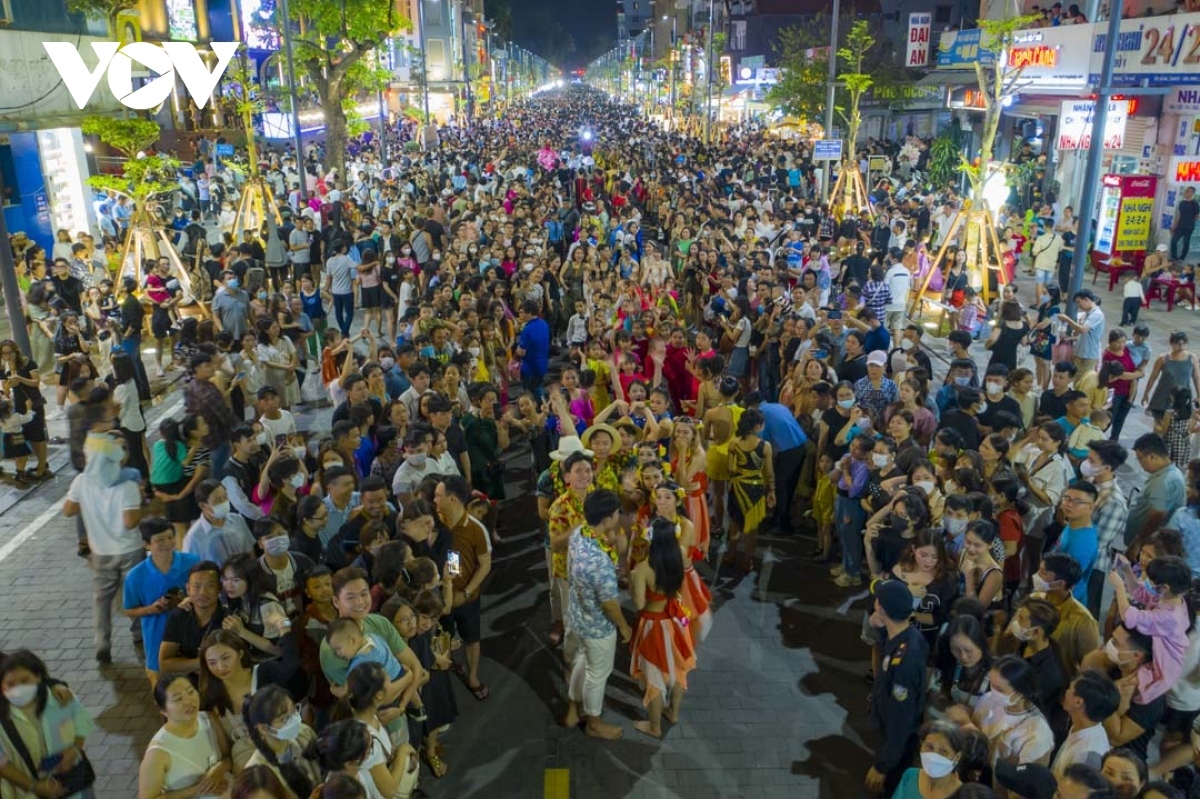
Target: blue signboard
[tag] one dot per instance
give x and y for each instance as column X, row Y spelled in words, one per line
column 964, row 50
column 225, row 150
column 827, row 150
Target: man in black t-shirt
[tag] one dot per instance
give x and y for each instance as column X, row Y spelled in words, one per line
column 1184, row 224
column 179, row 652
column 1133, row 725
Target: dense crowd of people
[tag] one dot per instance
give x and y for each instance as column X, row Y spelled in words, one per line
column 696, row 351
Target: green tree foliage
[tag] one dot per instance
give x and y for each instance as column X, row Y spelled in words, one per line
column 996, row 82
column 802, row 53
column 334, row 43
column 108, row 9
column 143, row 176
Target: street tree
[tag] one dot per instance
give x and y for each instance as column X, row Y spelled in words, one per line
column 143, row 174
column 109, row 10
column 335, row 44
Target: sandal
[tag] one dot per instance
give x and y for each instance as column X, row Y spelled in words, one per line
column 435, row 763
column 84, row 550
column 480, row 692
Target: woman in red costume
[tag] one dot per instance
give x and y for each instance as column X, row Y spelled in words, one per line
column 662, row 652
column 687, row 466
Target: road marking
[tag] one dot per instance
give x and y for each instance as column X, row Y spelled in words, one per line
column 29, row 532
column 557, row 784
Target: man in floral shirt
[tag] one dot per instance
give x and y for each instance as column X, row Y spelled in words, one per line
column 594, row 615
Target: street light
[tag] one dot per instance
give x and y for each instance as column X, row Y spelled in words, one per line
column 424, row 55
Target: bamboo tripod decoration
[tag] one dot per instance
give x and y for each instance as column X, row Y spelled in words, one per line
column 849, row 193
column 147, row 239
column 257, row 200
column 983, row 254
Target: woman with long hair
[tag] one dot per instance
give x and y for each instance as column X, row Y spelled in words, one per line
column 1010, row 716
column 130, row 419
column 39, row 319
column 965, row 676
column 259, row 782
column 1043, row 333
column 751, row 488
column 179, row 463
column 688, row 462
column 21, row 381
column 1043, row 468
column 281, row 739
column 663, row 653
column 72, row 351
column 279, row 357
column 931, row 577
column 344, row 748
column 252, row 611
column 392, row 762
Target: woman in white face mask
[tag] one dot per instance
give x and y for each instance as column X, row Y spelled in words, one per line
column 280, row 738
column 941, row 760
column 45, row 720
column 1008, row 714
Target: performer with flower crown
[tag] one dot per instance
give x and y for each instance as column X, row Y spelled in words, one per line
column 696, row 597
column 688, row 469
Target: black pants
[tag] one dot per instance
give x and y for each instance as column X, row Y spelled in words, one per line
column 1129, row 310
column 787, row 474
column 1184, row 236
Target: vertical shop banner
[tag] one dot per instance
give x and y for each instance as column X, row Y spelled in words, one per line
column 1075, row 124
column 920, row 28
column 1137, row 209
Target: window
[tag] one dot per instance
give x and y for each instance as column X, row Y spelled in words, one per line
column 941, row 15
column 6, row 13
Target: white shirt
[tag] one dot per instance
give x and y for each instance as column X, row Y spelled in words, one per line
column 1083, row 746
column 103, row 507
column 285, row 425
column 899, row 281
column 1022, row 737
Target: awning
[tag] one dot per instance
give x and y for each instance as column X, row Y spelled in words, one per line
column 949, row 77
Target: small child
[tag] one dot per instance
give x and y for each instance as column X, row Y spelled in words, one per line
column 822, row 506
column 1134, row 295
column 577, row 327
column 15, row 447
column 1163, row 615
column 971, row 316
column 349, row 642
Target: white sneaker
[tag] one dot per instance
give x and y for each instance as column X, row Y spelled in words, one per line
column 55, row 415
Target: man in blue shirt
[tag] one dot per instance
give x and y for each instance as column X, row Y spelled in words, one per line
column 788, row 443
column 533, row 347
column 147, row 586
column 1079, row 538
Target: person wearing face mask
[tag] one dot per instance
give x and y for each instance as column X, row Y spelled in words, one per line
column 281, row 566
column 961, row 375
column 938, row 776
column 280, row 740
column 898, row 693
column 1076, row 633
column 1109, row 516
column 1133, row 722
column 1009, row 716
column 42, row 718
column 965, row 417
column 219, row 533
column 995, row 387
column 1028, row 636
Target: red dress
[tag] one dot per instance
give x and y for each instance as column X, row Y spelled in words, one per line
column 662, row 651
column 697, row 511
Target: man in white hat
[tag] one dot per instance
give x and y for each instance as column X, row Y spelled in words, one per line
column 551, row 484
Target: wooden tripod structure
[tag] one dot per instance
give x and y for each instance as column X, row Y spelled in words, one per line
column 257, row 201
column 982, row 246
column 849, row 193
column 148, row 239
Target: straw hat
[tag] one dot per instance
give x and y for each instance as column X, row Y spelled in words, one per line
column 605, row 428
column 567, row 446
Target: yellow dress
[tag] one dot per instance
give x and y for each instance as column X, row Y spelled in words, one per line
column 717, row 455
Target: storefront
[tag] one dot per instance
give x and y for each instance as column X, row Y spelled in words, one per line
column 1178, row 157
column 897, row 112
column 45, row 184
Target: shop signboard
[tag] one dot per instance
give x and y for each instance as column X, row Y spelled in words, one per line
column 1052, row 56
column 909, row 96
column 1162, row 50
column 966, row 98
column 962, row 49
column 1075, row 124
column 1185, row 170
column 1182, row 101
column 827, row 150
column 920, row 26
column 1137, row 208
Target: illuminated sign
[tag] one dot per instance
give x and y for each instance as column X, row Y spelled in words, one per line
column 967, row 99
column 1187, row 171
column 1038, row 56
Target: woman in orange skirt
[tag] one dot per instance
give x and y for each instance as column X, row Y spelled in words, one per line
column 694, row 595
column 688, row 462
column 662, row 653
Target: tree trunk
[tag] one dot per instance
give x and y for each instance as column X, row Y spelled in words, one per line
column 330, row 91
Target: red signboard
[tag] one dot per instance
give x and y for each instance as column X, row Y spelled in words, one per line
column 1039, row 56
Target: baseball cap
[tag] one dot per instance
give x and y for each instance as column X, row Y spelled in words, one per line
column 1030, row 780
column 877, row 358
column 895, row 599
column 1162, row 248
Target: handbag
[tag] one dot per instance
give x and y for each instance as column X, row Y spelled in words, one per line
column 77, row 778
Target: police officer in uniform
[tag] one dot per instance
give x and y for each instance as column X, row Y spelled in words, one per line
column 898, row 695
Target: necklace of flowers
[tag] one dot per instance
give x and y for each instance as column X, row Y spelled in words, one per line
column 608, row 549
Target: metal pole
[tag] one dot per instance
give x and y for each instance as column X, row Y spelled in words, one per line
column 708, row 72
column 671, row 62
column 291, row 68
column 383, row 126
column 12, row 291
column 466, row 50
column 830, row 87
column 424, row 56
column 1095, row 157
